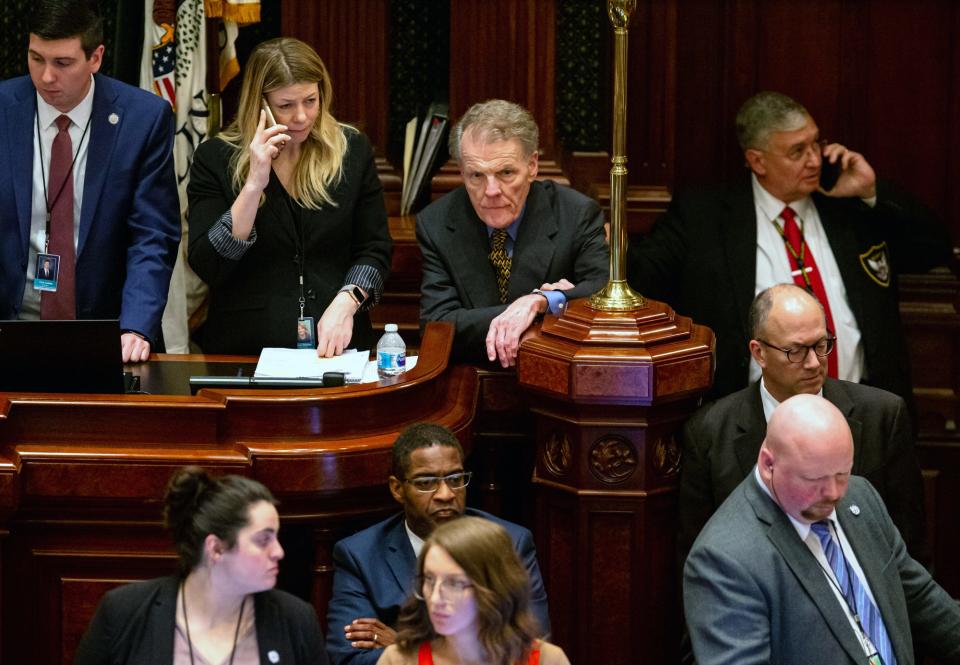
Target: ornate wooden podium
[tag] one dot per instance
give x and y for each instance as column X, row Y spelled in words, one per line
column 610, row 382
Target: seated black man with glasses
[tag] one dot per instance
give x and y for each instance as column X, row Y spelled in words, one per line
column 375, row 568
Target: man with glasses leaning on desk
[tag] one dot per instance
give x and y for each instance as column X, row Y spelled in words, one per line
column 375, row 567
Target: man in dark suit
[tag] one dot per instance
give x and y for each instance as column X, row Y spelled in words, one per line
column 504, row 248
column 721, row 441
column 802, row 564
column 713, row 251
column 115, row 146
column 375, row 567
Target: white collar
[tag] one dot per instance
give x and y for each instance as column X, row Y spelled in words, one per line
column 79, row 114
column 769, row 402
column 415, row 541
column 771, row 207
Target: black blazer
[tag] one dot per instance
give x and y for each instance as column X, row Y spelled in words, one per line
column 253, row 300
column 722, row 440
column 561, row 236
column 135, row 624
column 701, row 257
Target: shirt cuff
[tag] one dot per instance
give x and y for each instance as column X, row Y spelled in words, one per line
column 367, row 278
column 556, row 301
column 871, row 201
column 221, row 237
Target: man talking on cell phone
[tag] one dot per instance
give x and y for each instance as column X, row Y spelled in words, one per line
column 87, row 181
column 845, row 243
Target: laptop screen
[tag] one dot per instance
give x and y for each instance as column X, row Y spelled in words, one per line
column 61, row 356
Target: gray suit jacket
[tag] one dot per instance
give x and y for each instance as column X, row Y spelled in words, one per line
column 721, row 442
column 561, row 236
column 754, row 593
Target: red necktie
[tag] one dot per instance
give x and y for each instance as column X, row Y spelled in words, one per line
column 806, row 275
column 62, row 303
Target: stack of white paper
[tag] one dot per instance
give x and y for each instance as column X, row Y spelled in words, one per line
column 305, row 364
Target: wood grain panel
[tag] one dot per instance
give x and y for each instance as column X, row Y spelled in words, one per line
column 505, row 49
column 351, row 37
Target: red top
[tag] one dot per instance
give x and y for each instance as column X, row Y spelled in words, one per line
column 425, row 655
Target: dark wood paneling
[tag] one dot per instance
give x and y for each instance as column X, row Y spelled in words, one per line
column 505, row 49
column 351, row 37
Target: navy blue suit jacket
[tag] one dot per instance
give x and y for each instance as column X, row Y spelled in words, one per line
column 130, row 220
column 374, row 571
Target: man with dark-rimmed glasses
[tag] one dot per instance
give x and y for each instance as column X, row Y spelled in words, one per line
column 375, row 567
column 790, row 342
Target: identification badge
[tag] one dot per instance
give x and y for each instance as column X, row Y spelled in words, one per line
column 305, row 328
column 47, row 272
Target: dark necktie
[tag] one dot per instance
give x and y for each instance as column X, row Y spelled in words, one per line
column 855, row 594
column 501, row 262
column 61, row 304
column 806, row 275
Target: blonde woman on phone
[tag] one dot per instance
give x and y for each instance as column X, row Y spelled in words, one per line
column 287, row 221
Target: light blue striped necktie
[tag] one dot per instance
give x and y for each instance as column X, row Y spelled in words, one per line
column 855, row 594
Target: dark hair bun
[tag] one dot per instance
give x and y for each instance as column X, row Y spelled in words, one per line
column 185, row 494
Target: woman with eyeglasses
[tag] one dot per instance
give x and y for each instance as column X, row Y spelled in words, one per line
column 222, row 608
column 470, row 604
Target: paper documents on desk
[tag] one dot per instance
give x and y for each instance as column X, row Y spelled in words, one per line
column 304, row 364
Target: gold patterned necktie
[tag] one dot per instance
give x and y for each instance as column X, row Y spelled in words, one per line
column 501, row 262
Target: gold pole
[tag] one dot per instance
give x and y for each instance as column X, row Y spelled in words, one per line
column 617, row 295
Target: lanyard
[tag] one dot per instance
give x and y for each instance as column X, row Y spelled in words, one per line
column 186, row 623
column 43, row 175
column 800, row 257
column 297, row 213
column 847, row 593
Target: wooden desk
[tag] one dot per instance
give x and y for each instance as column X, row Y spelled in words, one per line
column 82, row 476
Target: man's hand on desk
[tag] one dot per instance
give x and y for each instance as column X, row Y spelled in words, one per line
column 503, row 336
column 134, row 348
column 369, row 634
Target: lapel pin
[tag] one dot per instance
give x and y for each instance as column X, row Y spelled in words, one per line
column 113, row 118
column 855, row 509
column 273, row 656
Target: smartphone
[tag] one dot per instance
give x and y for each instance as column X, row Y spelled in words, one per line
column 271, row 121
column 829, row 174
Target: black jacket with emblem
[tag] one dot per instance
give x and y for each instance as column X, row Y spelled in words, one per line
column 701, row 258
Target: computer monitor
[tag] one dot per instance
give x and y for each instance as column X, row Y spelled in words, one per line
column 61, row 356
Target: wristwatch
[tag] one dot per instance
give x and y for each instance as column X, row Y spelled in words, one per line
column 355, row 293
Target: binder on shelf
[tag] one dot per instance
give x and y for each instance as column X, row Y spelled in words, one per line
column 428, row 141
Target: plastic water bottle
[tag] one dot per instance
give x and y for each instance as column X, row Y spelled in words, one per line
column 391, row 353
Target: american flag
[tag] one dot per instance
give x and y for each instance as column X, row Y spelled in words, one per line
column 164, row 67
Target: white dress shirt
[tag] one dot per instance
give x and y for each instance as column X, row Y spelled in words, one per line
column 47, row 116
column 773, row 267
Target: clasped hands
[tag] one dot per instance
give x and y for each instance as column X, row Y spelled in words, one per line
column 857, row 177
column 503, row 336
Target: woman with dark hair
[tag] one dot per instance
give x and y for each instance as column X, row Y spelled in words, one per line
column 287, row 220
column 222, row 608
column 471, row 603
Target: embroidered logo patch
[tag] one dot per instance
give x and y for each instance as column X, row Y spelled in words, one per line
column 876, row 262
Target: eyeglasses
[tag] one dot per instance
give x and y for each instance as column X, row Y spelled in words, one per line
column 798, row 152
column 798, row 353
column 452, row 589
column 430, row 484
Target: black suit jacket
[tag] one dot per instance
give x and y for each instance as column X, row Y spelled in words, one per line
column 135, row 624
column 754, row 593
column 561, row 236
column 701, row 257
column 722, row 440
column 254, row 300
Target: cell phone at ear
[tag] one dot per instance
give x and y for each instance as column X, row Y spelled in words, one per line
column 271, row 121
column 829, row 174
